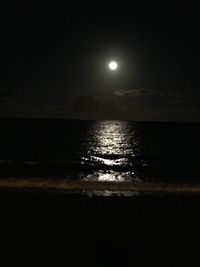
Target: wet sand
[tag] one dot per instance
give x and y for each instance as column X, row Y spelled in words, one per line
column 78, row 186
column 54, row 227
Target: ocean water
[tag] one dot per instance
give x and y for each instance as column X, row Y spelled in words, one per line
column 100, row 150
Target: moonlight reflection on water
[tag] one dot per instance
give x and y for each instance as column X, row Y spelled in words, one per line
column 111, row 144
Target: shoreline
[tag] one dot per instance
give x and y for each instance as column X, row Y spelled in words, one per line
column 78, row 186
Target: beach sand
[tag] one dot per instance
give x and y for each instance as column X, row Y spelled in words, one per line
column 54, row 227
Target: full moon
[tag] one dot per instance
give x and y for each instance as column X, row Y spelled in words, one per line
column 113, row 65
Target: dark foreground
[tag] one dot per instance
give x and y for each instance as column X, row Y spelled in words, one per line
column 39, row 228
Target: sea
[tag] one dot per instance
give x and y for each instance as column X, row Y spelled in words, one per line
column 101, row 151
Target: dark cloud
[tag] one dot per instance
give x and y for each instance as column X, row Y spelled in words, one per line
column 159, row 104
column 133, row 92
column 6, row 96
column 134, row 104
column 145, row 92
column 155, row 97
column 5, row 93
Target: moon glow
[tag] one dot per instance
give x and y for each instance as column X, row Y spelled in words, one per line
column 113, row 65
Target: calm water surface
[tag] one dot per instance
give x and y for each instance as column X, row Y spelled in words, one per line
column 100, row 150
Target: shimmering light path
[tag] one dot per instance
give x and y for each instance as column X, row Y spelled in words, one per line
column 42, row 184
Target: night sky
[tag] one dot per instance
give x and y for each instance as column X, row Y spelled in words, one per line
column 54, row 62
